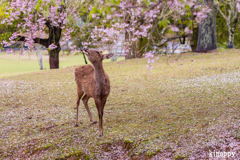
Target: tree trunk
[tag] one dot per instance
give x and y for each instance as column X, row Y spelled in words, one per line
column 194, row 35
column 183, row 40
column 207, row 37
column 129, row 53
column 54, row 37
column 231, row 32
column 139, row 48
column 132, row 49
column 54, row 57
column 39, row 54
column 136, row 50
column 40, row 60
column 194, row 39
column 231, row 40
column 142, row 46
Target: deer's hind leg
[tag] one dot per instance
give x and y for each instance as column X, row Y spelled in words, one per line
column 100, row 106
column 85, row 102
column 79, row 94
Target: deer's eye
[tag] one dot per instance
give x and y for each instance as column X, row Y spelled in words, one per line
column 97, row 52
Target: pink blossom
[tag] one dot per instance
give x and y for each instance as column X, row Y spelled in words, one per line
column 9, row 51
column 175, row 29
column 52, row 46
column 150, row 67
column 101, row 1
column 73, row 48
column 187, row 30
column 90, row 7
column 93, row 15
column 148, row 55
column 109, row 16
column 238, row 6
column 23, row 52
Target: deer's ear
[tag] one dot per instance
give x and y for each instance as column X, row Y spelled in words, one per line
column 107, row 56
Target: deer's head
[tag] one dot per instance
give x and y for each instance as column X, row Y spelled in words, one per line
column 95, row 56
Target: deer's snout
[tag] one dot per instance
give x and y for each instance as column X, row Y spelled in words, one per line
column 85, row 50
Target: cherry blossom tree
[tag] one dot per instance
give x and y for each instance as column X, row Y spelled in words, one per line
column 54, row 17
column 5, row 30
column 146, row 25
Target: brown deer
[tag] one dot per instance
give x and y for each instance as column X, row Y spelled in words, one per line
column 93, row 82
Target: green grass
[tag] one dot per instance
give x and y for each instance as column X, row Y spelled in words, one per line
column 11, row 65
column 173, row 111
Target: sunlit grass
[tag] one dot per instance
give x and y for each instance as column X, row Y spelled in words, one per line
column 174, row 109
column 15, row 64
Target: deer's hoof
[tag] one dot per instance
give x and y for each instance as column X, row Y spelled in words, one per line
column 76, row 125
column 101, row 135
column 95, row 122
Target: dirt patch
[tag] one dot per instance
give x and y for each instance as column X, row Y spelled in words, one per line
column 120, row 150
column 125, row 150
column 23, row 152
column 117, row 150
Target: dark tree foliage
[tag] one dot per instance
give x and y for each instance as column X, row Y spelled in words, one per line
column 207, row 39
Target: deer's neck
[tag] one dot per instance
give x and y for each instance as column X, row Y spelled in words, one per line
column 99, row 72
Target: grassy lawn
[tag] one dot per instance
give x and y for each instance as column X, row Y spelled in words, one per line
column 16, row 64
column 177, row 111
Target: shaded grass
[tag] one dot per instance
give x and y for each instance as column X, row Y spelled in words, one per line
column 174, row 105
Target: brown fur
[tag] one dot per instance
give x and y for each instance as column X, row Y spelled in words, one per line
column 93, row 82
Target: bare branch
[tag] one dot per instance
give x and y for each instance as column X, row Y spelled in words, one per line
column 44, row 42
column 224, row 16
column 170, row 39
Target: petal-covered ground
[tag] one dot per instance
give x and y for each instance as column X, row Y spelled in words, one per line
column 182, row 110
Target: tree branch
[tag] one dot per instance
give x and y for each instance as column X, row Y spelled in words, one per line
column 224, row 16
column 138, row 6
column 44, row 42
column 234, row 11
column 48, row 24
column 170, row 39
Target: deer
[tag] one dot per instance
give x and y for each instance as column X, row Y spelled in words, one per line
column 93, row 82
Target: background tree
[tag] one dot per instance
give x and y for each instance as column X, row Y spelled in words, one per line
column 228, row 10
column 207, row 38
column 50, row 16
column 222, row 33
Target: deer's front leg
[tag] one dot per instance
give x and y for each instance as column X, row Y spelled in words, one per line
column 99, row 108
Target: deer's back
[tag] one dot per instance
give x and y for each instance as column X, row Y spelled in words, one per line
column 84, row 77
